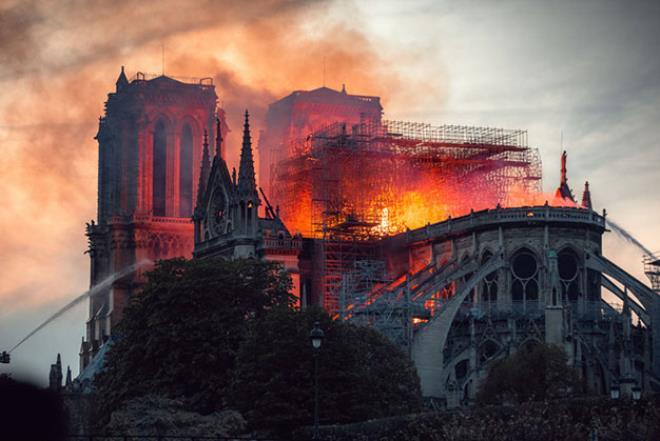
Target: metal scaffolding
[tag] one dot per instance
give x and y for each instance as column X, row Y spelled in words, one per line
column 351, row 185
column 360, row 171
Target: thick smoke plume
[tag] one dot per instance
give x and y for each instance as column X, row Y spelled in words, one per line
column 59, row 59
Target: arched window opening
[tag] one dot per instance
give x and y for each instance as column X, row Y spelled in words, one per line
column 186, row 172
column 569, row 275
column 524, row 265
column 250, row 207
column 159, row 176
column 489, row 284
column 461, row 369
column 525, row 281
column 242, row 208
column 488, row 350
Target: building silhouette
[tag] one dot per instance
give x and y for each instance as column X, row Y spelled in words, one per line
column 150, row 151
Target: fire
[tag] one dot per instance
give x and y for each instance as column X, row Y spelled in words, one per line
column 385, row 208
column 385, row 220
column 412, row 209
column 372, row 180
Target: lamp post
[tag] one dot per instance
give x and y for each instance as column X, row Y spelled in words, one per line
column 615, row 392
column 316, row 337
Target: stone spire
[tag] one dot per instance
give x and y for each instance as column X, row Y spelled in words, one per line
column 564, row 191
column 68, row 380
column 204, row 171
column 122, row 81
column 218, row 138
column 586, row 197
column 247, row 185
column 55, row 377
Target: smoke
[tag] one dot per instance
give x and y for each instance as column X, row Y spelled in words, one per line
column 106, row 283
column 45, row 35
column 59, row 59
column 621, row 232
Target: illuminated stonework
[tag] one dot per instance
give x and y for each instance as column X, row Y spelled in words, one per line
column 150, row 148
column 479, row 287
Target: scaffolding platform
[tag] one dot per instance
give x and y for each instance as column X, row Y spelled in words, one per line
column 350, row 185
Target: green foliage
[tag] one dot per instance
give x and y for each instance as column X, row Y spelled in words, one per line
column 154, row 415
column 179, row 336
column 575, row 419
column 535, row 372
column 362, row 375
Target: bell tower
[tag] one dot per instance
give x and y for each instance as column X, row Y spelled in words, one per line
column 151, row 140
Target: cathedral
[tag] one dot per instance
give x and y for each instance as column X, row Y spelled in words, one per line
column 456, row 294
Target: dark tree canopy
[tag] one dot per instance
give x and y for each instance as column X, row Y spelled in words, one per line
column 362, row 375
column 179, row 336
column 535, row 372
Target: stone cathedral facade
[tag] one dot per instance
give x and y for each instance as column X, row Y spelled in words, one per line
column 150, row 153
column 227, row 221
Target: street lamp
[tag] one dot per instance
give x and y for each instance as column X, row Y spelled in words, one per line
column 615, row 392
column 316, row 337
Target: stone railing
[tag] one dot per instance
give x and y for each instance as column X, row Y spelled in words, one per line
column 282, row 244
column 480, row 219
column 142, row 76
column 162, row 219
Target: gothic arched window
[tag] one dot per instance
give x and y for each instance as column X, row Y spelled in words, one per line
column 525, row 279
column 488, row 350
column 567, row 263
column 159, row 177
column 186, row 172
column 489, row 284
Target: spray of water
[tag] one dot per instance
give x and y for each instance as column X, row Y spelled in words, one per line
column 628, row 237
column 106, row 283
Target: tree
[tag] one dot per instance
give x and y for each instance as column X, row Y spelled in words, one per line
column 155, row 415
column 179, row 336
column 535, row 372
column 362, row 375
